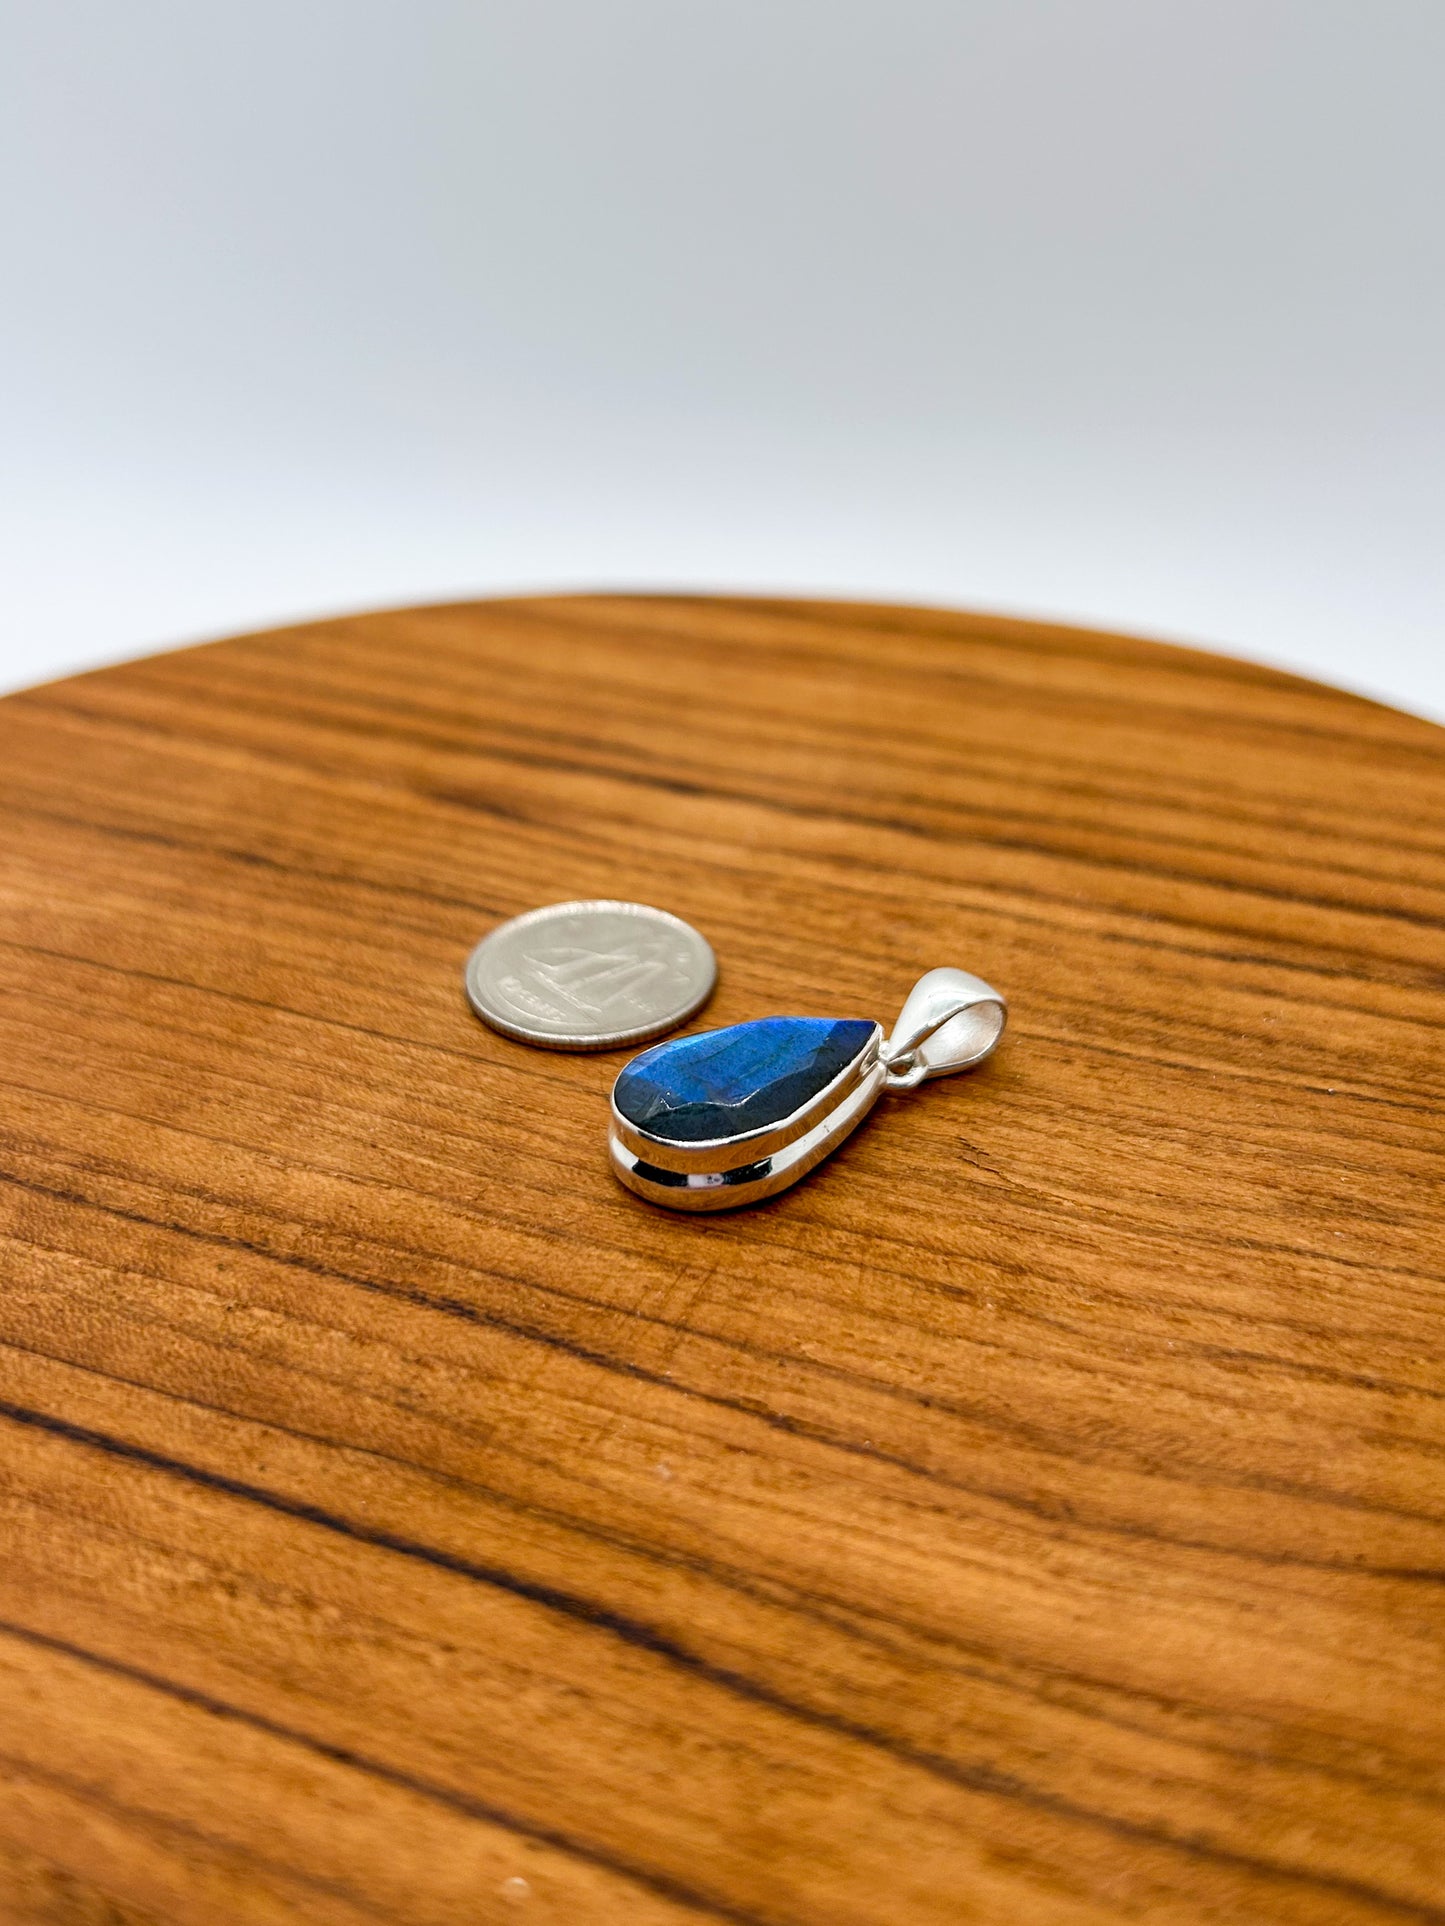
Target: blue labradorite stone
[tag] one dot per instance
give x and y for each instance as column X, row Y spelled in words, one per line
column 726, row 1082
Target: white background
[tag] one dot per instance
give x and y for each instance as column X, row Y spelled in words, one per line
column 1123, row 311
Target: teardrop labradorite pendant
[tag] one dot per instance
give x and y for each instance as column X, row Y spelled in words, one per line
column 733, row 1116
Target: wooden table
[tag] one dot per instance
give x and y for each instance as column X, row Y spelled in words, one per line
column 1037, row 1516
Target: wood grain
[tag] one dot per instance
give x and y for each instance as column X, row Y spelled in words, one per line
column 1037, row 1516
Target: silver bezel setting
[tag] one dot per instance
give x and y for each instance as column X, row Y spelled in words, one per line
column 718, row 1173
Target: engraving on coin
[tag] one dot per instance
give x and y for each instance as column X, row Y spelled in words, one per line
column 590, row 975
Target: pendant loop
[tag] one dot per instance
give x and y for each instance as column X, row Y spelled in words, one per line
column 951, row 1021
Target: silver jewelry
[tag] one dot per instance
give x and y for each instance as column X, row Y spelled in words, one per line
column 590, row 975
column 728, row 1117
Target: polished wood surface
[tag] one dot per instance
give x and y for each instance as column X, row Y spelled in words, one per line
column 1037, row 1516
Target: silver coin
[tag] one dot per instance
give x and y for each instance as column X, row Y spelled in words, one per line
column 590, row 976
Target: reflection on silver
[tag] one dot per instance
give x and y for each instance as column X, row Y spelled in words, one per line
column 951, row 1021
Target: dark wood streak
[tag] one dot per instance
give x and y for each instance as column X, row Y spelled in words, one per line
column 646, row 1639
column 445, row 1795
column 134, row 1817
column 1034, row 1517
column 848, row 1444
column 1034, row 1434
column 254, row 860
column 704, row 787
column 830, row 1613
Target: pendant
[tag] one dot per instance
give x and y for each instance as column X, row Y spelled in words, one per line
column 732, row 1116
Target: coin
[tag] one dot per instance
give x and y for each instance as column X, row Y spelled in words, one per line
column 590, row 976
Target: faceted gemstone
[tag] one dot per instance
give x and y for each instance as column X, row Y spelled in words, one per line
column 726, row 1082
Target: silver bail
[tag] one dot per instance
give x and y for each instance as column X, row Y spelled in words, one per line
column 951, row 1021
